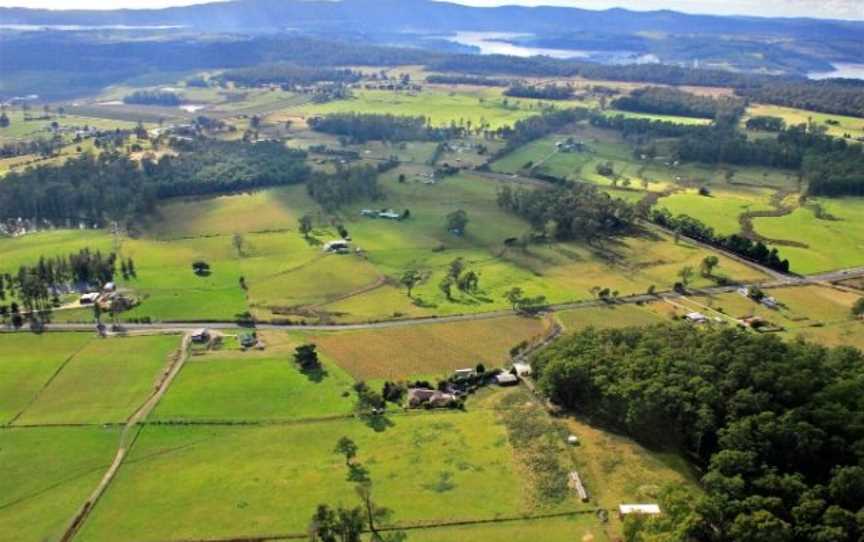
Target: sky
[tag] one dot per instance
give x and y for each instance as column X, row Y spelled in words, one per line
column 836, row 9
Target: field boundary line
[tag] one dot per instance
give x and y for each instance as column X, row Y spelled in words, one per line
column 411, row 526
column 47, row 383
column 126, row 443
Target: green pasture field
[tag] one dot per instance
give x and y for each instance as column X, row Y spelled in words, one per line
column 436, row 348
column 231, row 385
column 664, row 118
column 442, row 107
column 260, row 211
column 27, row 249
column 847, row 125
column 106, row 381
column 28, row 362
column 20, row 129
column 721, row 208
column 833, row 242
column 203, row 482
column 612, row 316
column 47, row 475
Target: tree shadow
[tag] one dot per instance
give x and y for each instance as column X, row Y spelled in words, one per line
column 315, row 374
column 378, row 423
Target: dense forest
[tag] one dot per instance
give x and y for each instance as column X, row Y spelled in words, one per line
column 363, row 127
column 286, row 75
column 778, row 426
column 840, row 97
column 153, row 97
column 573, row 212
column 114, row 187
column 671, row 101
column 540, row 92
column 332, row 190
column 746, row 248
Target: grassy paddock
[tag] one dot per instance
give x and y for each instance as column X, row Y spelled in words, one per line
column 47, row 474
column 105, row 382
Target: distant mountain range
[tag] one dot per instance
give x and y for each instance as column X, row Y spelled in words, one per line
column 431, row 16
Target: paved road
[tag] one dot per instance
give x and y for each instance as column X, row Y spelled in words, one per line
column 784, row 280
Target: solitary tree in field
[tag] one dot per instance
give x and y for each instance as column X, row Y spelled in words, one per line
column 410, row 279
column 457, row 221
column 305, row 225
column 515, row 296
column 4, row 120
column 347, row 447
column 201, row 268
column 306, row 356
column 686, row 273
column 708, row 264
column 238, row 241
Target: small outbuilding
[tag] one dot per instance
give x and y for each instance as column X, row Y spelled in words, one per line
column 696, row 317
column 339, row 245
column 463, row 373
column 109, row 287
column 639, row 509
column 574, row 482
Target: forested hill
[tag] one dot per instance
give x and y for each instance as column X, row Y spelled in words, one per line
column 397, row 15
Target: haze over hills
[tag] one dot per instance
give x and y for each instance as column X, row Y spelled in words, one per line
column 428, row 16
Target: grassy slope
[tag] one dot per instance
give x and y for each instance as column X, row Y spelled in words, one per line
column 832, row 244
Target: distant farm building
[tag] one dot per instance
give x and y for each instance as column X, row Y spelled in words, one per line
column 696, row 317
column 522, row 369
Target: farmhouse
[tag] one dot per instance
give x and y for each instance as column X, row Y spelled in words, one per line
column 433, row 398
column 696, row 317
column 201, row 335
column 340, row 246
column 89, row 299
column 640, row 509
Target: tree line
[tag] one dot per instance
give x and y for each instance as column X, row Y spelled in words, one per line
column 456, row 79
column 754, row 251
column 153, row 97
column 113, row 187
column 778, row 427
column 363, row 127
column 540, row 92
column 286, row 75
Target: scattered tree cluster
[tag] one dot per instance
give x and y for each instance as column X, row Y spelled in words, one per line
column 572, row 212
column 363, row 127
